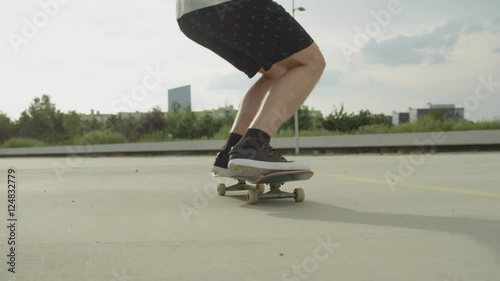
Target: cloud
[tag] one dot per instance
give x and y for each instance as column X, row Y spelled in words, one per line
column 474, row 27
column 495, row 26
column 239, row 81
column 231, row 81
column 433, row 46
column 330, row 78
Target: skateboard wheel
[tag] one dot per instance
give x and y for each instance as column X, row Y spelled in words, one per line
column 299, row 195
column 252, row 197
column 221, row 189
column 261, row 188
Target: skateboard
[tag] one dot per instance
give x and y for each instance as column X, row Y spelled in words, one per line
column 275, row 180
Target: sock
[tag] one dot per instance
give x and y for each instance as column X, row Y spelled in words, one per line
column 232, row 140
column 255, row 138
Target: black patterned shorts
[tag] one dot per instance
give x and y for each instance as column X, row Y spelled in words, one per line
column 249, row 34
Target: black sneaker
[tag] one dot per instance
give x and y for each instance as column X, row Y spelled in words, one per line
column 220, row 166
column 260, row 161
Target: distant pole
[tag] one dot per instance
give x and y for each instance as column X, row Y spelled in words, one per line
column 296, row 117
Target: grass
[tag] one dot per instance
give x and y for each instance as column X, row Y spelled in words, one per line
column 306, row 133
column 156, row 137
column 423, row 125
column 23, row 142
column 430, row 125
column 101, row 137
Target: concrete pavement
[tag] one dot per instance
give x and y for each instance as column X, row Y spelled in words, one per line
column 365, row 218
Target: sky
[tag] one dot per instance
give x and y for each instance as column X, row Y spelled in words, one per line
column 124, row 55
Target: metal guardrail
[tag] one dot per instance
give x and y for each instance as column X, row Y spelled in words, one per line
column 437, row 139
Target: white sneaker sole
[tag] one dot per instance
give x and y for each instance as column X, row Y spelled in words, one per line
column 248, row 167
column 221, row 172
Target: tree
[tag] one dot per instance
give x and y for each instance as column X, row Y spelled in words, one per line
column 113, row 122
column 306, row 120
column 72, row 125
column 185, row 130
column 207, row 126
column 340, row 121
column 177, row 119
column 125, row 126
column 92, row 125
column 153, row 121
column 337, row 121
column 6, row 128
column 42, row 121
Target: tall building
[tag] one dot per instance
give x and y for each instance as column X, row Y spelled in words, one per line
column 181, row 96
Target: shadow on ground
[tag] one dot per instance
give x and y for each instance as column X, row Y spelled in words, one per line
column 484, row 231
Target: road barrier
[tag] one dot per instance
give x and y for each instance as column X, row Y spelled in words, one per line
column 407, row 142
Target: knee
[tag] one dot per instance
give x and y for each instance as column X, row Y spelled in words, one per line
column 318, row 62
column 274, row 73
column 313, row 59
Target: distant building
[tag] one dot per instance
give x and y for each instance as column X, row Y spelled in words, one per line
column 400, row 118
column 132, row 115
column 181, row 96
column 450, row 114
column 404, row 118
column 440, row 106
column 101, row 118
column 413, row 115
column 223, row 112
column 219, row 113
column 441, row 111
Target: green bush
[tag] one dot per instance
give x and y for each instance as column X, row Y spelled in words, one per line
column 319, row 132
column 467, row 126
column 23, row 142
column 101, row 137
column 426, row 124
column 432, row 125
column 285, row 133
column 288, row 133
column 156, row 137
column 222, row 133
column 373, row 129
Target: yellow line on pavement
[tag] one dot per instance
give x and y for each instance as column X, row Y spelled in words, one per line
column 421, row 186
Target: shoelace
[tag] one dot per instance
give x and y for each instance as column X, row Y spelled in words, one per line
column 273, row 153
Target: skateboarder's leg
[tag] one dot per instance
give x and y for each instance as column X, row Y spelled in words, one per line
column 259, row 35
column 194, row 26
column 289, row 91
column 252, row 101
column 253, row 154
column 249, row 108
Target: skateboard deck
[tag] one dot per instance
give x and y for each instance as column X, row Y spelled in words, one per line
column 278, row 177
column 274, row 179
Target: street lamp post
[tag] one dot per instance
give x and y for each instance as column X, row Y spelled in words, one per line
column 296, row 117
column 302, row 9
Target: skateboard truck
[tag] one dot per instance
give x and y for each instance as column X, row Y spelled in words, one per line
column 274, row 180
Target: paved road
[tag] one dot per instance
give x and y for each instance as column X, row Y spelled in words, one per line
column 365, row 218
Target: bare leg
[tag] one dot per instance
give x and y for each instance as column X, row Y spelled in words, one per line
column 252, row 101
column 253, row 155
column 246, row 114
column 290, row 90
column 251, row 104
